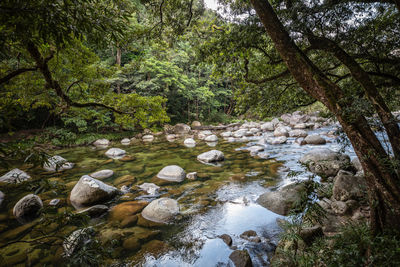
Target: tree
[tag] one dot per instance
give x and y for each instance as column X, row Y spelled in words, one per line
column 381, row 174
column 34, row 37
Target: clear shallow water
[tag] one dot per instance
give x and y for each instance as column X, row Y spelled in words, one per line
column 219, row 198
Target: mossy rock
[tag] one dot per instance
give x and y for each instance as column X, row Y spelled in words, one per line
column 18, row 232
column 124, row 209
column 238, row 177
column 129, row 221
column 146, row 223
column 127, row 158
column 124, row 180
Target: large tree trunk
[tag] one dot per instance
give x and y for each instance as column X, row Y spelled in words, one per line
column 381, row 177
column 358, row 73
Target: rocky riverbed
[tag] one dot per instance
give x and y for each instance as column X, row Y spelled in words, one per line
column 188, row 196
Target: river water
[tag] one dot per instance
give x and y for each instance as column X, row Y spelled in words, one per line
column 221, row 201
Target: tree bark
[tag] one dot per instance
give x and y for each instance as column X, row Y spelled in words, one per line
column 358, row 73
column 381, row 177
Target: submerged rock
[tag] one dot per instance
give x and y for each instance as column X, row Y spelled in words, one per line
column 76, row 240
column 282, row 200
column 241, row 258
column 149, row 188
column 54, row 202
column 172, row 173
column 89, row 191
column 325, row 162
column 57, row 163
column 28, row 208
column 94, row 211
column 161, row 210
column 1, row 198
column 15, row 176
column 211, row 156
column 103, row 174
column 125, row 209
column 191, row 175
column 115, row 152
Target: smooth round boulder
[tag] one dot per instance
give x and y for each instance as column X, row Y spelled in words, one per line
column 297, row 133
column 315, row 139
column 181, row 128
column 211, row 138
column 15, row 176
column 126, row 141
column 189, row 142
column 300, row 126
column 89, row 191
column 268, row 126
column 254, row 130
column 196, row 124
column 115, row 153
column 239, row 133
column 281, row 131
column 28, row 208
column 57, row 163
column 226, row 134
column 161, row 210
column 278, row 140
column 211, row 156
column 172, row 173
column 101, row 142
column 103, row 174
column 171, row 137
column 148, row 138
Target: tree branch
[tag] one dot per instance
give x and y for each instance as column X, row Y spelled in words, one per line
column 268, row 79
column 190, row 12
column 51, row 83
column 15, row 73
